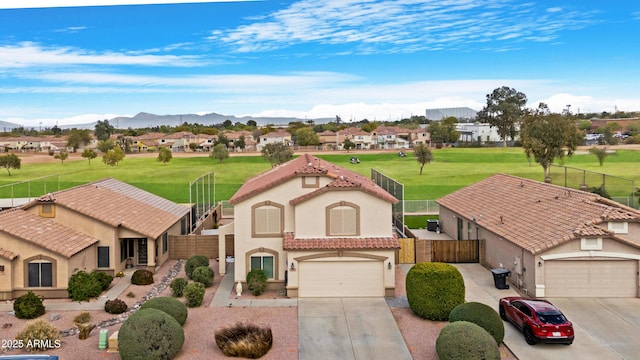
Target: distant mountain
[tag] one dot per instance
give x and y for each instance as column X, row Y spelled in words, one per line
column 7, row 126
column 143, row 120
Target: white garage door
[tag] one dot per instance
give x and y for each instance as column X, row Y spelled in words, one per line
column 593, row 278
column 340, row 279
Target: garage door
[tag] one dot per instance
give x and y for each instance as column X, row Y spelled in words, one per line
column 593, row 278
column 340, row 279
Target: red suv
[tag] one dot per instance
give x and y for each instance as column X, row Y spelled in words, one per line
column 539, row 320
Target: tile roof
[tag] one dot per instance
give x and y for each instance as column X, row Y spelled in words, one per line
column 6, row 254
column 534, row 215
column 44, row 232
column 344, row 243
column 307, row 164
column 119, row 204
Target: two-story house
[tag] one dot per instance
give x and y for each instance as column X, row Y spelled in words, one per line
column 317, row 229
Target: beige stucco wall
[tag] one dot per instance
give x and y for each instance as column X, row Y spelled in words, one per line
column 375, row 214
column 6, row 278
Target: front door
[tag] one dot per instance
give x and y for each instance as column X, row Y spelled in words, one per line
column 142, row 251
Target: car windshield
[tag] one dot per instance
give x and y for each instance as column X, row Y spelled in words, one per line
column 551, row 318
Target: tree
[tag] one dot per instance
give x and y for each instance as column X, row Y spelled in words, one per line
column 10, row 161
column 348, row 144
column 307, row 137
column 240, row 143
column 600, row 153
column 277, row 153
column 547, row 136
column 222, row 139
column 124, row 143
column 89, row 154
column 164, row 155
column 252, row 123
column 423, row 155
column 444, row 131
column 105, row 145
column 103, row 130
column 113, row 156
column 504, row 109
column 219, row 152
column 193, row 146
column 78, row 138
column 62, row 156
column 227, row 124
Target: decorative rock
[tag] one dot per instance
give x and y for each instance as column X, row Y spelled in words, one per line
column 54, row 317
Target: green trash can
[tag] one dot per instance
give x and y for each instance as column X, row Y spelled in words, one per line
column 104, row 339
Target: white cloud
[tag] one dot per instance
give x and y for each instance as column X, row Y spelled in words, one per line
column 28, row 54
column 25, row 4
column 401, row 27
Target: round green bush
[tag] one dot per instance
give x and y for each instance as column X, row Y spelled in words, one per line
column 150, row 334
column 193, row 262
column 142, row 277
column 177, row 286
column 171, row 306
column 203, row 275
column 28, row 306
column 462, row 340
column 115, row 306
column 481, row 315
column 257, row 281
column 103, row 278
column 83, row 285
column 434, row 289
column 194, row 294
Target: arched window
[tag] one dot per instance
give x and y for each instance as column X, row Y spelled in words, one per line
column 40, row 272
column 268, row 219
column 343, row 219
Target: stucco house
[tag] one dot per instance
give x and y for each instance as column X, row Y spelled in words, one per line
column 557, row 242
column 97, row 226
column 316, row 228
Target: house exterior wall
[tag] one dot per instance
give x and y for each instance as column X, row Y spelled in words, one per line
column 311, row 219
column 13, row 282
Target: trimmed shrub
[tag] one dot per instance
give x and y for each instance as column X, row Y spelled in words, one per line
column 171, row 306
column 40, row 335
column 103, row 278
column 481, row 315
column 28, row 306
column 142, row 277
column 434, row 289
column 193, row 262
column 256, row 281
column 462, row 340
column 177, row 286
column 203, row 275
column 194, row 294
column 150, row 334
column 83, row 285
column 115, row 306
column 244, row 340
column 81, row 318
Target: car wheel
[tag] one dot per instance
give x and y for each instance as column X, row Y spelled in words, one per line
column 503, row 315
column 529, row 337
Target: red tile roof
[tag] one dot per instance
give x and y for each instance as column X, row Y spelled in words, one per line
column 307, row 164
column 534, row 215
column 343, row 243
column 9, row 255
column 44, row 232
column 119, row 204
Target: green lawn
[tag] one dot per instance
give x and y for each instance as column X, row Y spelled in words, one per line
column 452, row 169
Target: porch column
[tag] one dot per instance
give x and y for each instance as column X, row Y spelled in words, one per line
column 151, row 254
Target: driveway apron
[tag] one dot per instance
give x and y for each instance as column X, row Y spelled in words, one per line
column 348, row 328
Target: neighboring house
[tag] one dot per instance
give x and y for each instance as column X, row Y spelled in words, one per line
column 275, row 137
column 419, row 136
column 556, row 241
column 481, row 132
column 316, row 228
column 97, row 226
column 360, row 138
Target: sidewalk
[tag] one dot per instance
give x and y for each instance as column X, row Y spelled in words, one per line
column 227, row 287
column 112, row 293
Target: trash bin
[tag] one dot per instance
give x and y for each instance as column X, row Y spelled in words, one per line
column 432, row 225
column 500, row 278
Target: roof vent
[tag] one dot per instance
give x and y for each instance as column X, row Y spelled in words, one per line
column 309, row 164
column 341, row 177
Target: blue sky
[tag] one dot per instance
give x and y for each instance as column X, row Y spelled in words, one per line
column 374, row 59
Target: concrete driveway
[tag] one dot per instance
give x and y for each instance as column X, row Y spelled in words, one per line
column 605, row 328
column 348, row 328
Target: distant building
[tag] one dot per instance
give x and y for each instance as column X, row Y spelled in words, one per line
column 482, row 133
column 460, row 113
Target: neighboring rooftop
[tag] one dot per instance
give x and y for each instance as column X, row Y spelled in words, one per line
column 534, row 215
column 461, row 113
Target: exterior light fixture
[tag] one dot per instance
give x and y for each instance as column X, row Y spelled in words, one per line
column 539, row 263
column 293, row 266
column 389, row 265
